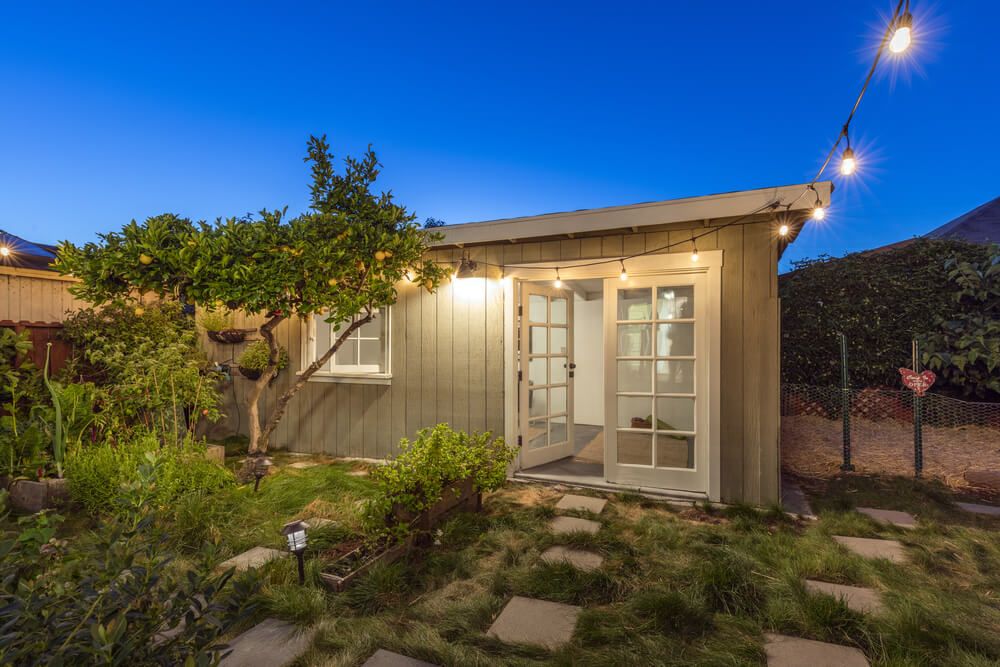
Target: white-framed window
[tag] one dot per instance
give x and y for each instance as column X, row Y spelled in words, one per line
column 363, row 356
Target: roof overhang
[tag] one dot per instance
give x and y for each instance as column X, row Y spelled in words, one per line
column 790, row 198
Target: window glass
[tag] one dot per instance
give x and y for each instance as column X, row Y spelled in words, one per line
column 364, row 352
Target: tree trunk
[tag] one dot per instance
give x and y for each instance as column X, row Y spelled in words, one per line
column 260, row 436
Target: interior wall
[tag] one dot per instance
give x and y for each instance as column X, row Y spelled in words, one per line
column 588, row 354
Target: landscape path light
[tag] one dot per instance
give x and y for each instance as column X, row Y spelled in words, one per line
column 295, row 533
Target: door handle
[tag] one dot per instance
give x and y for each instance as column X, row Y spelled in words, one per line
column 570, row 367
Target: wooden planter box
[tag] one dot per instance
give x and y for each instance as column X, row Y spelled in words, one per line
column 30, row 496
column 456, row 497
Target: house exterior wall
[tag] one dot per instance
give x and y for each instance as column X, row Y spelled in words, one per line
column 447, row 358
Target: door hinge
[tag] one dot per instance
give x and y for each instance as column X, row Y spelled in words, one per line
column 518, row 441
column 520, row 310
column 519, row 376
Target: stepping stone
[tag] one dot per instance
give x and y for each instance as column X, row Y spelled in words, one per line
column 976, row 508
column 793, row 499
column 301, row 465
column 582, row 560
column 785, row 651
column 891, row 550
column 569, row 524
column 252, row 558
column 317, row 522
column 891, row 517
column 358, row 473
column 864, row 600
column 383, row 658
column 585, row 503
column 538, row 622
column 271, row 643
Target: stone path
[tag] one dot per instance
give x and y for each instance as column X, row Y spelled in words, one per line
column 537, row 622
column 383, row 658
column 301, row 465
column 891, row 517
column 976, row 508
column 784, row 651
column 271, row 643
column 870, row 548
column 252, row 558
column 568, row 524
column 582, row 560
column 793, row 499
column 864, row 600
column 584, row 503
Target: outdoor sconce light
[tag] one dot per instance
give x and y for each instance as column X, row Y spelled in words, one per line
column 295, row 532
column 467, row 268
column 4, row 251
column 260, row 468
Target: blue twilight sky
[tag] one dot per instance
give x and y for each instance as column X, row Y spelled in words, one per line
column 485, row 110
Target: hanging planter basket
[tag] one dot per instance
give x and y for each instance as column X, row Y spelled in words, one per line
column 228, row 336
column 250, row 373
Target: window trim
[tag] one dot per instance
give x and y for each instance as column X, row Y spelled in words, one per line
column 379, row 377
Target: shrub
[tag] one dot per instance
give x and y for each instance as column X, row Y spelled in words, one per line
column 257, row 355
column 416, row 478
column 108, row 596
column 98, row 472
column 214, row 320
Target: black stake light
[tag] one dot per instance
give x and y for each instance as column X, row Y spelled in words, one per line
column 295, row 533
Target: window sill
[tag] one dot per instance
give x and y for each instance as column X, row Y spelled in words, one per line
column 347, row 378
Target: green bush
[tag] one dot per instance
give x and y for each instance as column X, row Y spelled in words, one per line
column 214, row 320
column 881, row 302
column 257, row 355
column 98, row 472
column 106, row 597
column 416, row 478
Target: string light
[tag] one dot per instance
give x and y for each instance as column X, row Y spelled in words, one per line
column 4, row 251
column 783, row 230
column 694, row 253
column 902, row 37
column 848, row 164
column 558, row 282
column 623, row 276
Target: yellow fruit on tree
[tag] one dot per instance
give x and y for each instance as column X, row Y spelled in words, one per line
column 145, row 259
column 380, row 255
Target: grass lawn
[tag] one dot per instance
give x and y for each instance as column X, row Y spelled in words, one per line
column 678, row 585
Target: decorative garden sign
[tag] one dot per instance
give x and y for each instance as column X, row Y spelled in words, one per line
column 919, row 383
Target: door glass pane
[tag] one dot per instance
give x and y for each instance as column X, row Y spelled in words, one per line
column 557, row 374
column 538, row 308
column 635, row 412
column 558, row 432
column 675, row 340
column 675, row 414
column 536, row 371
column 558, row 311
column 635, row 448
column 537, row 403
column 539, row 340
column 557, row 396
column 675, row 377
column 635, row 304
column 635, row 340
column 558, row 340
column 371, row 353
column 675, row 303
column 537, row 433
column 674, row 451
column 635, row 376
column 347, row 355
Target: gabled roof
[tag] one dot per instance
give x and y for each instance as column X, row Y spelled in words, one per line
column 709, row 207
column 26, row 254
column 980, row 225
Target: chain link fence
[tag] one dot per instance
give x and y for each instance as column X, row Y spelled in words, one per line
column 826, row 430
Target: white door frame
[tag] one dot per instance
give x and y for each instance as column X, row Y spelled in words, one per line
column 709, row 262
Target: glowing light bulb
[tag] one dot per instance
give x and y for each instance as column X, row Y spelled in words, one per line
column 783, row 230
column 558, row 283
column 819, row 212
column 847, row 163
column 694, row 255
column 4, row 251
column 623, row 276
column 902, row 38
column 410, row 275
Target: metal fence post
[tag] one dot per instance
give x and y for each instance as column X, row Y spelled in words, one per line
column 845, row 405
column 918, row 426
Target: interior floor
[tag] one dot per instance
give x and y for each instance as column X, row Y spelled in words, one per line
column 586, row 466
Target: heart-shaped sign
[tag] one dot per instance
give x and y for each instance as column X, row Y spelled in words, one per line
column 918, row 382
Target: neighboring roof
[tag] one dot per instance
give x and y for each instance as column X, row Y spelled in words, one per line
column 709, row 207
column 26, row 254
column 980, row 225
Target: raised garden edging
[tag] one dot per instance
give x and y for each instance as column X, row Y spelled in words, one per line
column 457, row 496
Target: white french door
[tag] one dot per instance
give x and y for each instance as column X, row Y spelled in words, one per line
column 657, row 406
column 545, row 378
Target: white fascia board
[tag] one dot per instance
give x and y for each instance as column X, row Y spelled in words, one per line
column 710, row 207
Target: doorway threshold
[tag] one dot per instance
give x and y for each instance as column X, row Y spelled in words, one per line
column 598, row 483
